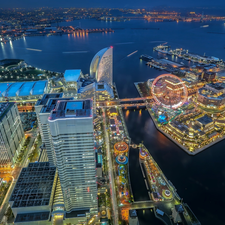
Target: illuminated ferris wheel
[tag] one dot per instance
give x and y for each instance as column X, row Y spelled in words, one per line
column 169, row 91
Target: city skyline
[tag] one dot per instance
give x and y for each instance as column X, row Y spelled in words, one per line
column 112, row 116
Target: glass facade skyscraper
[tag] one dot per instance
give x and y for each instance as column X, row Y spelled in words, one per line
column 43, row 109
column 71, row 128
column 11, row 133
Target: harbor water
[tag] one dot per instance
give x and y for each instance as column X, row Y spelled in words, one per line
column 200, row 179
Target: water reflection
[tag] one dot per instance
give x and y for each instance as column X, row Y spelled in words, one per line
column 79, row 35
column 140, row 112
column 127, row 114
column 3, row 50
column 25, row 41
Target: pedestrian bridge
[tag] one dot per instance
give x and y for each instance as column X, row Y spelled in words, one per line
column 151, row 204
column 139, row 102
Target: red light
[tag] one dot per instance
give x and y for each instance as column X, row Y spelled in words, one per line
column 111, row 46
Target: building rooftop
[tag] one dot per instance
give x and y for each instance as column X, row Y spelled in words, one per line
column 118, row 118
column 113, row 128
column 121, row 128
column 112, row 110
column 213, row 134
column 51, row 104
column 112, row 121
column 210, row 94
column 79, row 213
column 217, row 86
column 100, row 86
column 132, row 213
column 39, row 87
column 72, row 75
column 205, row 120
column 179, row 208
column 3, row 87
column 30, row 217
column 46, row 97
column 34, row 185
column 23, row 88
column 73, row 108
column 26, row 88
column 12, row 91
column 179, row 126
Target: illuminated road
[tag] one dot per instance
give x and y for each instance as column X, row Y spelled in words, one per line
column 110, row 171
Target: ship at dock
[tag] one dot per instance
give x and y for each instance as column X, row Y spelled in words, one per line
column 146, row 58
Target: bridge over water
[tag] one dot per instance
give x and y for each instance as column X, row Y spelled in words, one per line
column 125, row 103
column 164, row 206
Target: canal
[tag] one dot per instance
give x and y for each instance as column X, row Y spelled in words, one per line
column 197, row 178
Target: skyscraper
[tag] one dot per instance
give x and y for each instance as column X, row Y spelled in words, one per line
column 71, row 127
column 43, row 109
column 102, row 66
column 11, row 133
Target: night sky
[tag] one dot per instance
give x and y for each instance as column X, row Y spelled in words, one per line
column 112, row 3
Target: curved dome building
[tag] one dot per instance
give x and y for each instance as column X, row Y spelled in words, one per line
column 101, row 66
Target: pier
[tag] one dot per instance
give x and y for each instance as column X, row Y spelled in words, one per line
column 186, row 55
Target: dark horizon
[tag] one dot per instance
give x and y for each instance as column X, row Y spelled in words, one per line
column 113, row 4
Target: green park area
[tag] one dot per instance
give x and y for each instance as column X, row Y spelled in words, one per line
column 18, row 70
column 3, row 190
column 34, row 155
column 23, row 150
column 9, row 63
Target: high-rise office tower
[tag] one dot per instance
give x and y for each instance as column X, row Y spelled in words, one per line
column 71, row 127
column 43, row 109
column 11, row 133
column 102, row 66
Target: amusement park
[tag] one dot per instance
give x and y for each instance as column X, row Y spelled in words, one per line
column 119, row 152
column 160, row 190
column 181, row 113
column 122, row 178
column 170, row 94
